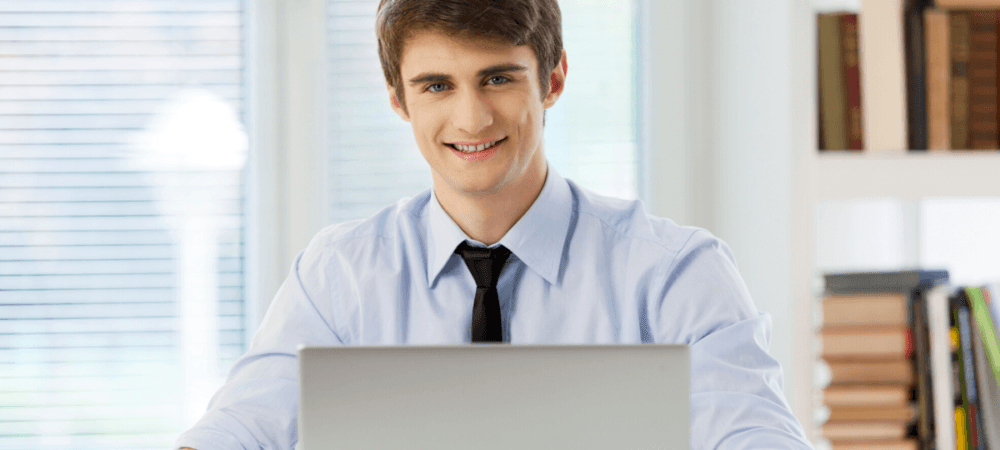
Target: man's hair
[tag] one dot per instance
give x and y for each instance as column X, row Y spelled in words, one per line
column 537, row 23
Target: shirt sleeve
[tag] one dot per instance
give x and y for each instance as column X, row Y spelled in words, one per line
column 257, row 407
column 736, row 385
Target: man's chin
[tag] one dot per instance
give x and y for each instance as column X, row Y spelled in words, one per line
column 480, row 187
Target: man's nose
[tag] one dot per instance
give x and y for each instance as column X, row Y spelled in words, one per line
column 472, row 113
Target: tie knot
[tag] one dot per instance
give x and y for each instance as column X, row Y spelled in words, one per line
column 484, row 263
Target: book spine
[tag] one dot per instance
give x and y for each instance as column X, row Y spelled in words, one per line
column 962, row 428
column 994, row 308
column 872, row 282
column 883, row 81
column 967, row 374
column 916, row 78
column 989, row 411
column 986, row 326
column 852, row 80
column 938, row 314
column 937, row 37
column 983, row 81
column 925, row 418
column 960, row 53
column 967, row 4
column 831, row 82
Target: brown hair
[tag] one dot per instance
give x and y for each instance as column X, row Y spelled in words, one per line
column 537, row 23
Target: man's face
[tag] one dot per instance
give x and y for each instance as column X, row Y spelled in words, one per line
column 465, row 95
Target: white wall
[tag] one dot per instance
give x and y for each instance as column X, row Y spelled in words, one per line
column 723, row 141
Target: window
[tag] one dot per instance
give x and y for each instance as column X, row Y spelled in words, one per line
column 121, row 217
column 374, row 160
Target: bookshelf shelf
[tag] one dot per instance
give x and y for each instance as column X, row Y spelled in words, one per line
column 906, row 176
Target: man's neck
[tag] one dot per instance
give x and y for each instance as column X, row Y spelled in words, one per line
column 488, row 217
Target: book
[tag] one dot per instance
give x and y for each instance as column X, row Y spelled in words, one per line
column 864, row 430
column 833, row 106
column 916, row 76
column 968, row 4
column 899, row 281
column 966, row 370
column 994, row 308
column 865, row 309
column 986, row 360
column 988, row 335
column 982, row 76
column 961, row 429
column 852, row 80
column 961, row 35
column 938, row 73
column 866, row 395
column 939, row 327
column 902, row 413
column 921, row 360
column 864, row 342
column 986, row 383
column 883, row 75
column 855, row 372
column 898, row 444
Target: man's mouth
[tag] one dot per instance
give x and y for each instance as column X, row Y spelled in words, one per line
column 475, row 148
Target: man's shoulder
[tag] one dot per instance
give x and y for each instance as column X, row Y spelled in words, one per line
column 630, row 220
column 387, row 224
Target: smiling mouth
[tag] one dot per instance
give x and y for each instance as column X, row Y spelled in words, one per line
column 475, row 148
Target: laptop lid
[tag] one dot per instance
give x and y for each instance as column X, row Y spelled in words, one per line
column 494, row 396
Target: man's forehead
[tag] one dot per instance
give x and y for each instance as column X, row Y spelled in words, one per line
column 435, row 50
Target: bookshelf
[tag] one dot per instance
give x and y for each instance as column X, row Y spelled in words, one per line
column 819, row 178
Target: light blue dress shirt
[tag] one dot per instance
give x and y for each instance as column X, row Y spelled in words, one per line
column 586, row 269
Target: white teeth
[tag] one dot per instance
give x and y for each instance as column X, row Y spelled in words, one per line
column 474, row 148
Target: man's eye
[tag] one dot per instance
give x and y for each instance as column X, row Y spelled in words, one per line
column 498, row 79
column 437, row 87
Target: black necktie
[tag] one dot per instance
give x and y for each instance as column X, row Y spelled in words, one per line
column 485, row 265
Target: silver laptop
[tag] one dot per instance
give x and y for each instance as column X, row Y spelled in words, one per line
column 494, row 396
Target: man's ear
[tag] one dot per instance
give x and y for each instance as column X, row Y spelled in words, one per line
column 557, row 82
column 394, row 102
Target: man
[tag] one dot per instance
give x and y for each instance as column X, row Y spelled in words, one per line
column 473, row 78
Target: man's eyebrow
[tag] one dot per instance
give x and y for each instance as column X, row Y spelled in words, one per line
column 500, row 68
column 491, row 70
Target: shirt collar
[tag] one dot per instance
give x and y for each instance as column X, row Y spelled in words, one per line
column 537, row 239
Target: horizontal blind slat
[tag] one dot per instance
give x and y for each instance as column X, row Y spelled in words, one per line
column 110, row 194
column 105, row 34
column 118, row 19
column 101, row 252
column 97, row 325
column 125, row 62
column 145, row 106
column 117, row 339
column 112, row 48
column 119, row 77
column 91, row 6
column 105, row 310
column 104, row 295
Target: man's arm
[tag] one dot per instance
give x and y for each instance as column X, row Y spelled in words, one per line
column 736, row 386
column 258, row 405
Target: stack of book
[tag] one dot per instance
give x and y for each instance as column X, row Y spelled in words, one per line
column 915, row 363
column 916, row 74
column 875, row 342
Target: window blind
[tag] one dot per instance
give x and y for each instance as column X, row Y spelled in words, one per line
column 121, row 217
column 590, row 135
